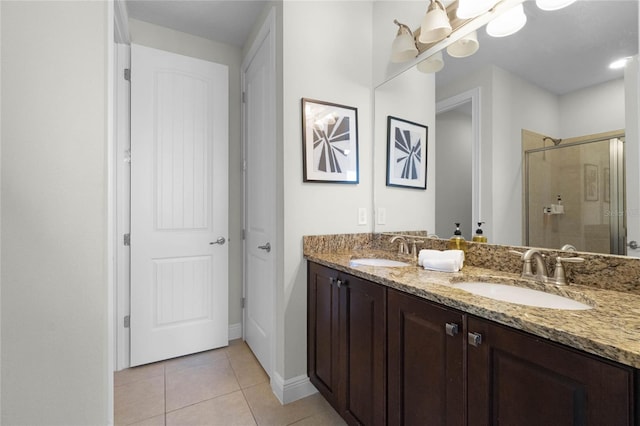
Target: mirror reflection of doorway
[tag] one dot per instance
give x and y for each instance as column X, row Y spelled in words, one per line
column 454, row 166
column 574, row 194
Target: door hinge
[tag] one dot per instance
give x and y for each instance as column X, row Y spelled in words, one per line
column 127, row 74
column 127, row 239
column 244, row 97
column 243, row 234
column 127, row 321
column 242, row 303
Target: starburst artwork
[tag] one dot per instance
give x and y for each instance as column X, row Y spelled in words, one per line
column 330, row 142
column 406, row 153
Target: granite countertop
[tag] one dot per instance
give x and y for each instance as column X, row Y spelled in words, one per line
column 610, row 330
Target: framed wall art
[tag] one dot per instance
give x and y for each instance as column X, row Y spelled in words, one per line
column 406, row 153
column 329, row 142
column 590, row 182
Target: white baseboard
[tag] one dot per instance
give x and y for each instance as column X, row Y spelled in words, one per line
column 235, row 331
column 292, row 389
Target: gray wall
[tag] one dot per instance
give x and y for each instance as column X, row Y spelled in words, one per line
column 55, row 294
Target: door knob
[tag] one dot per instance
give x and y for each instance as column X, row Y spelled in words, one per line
column 220, row 241
column 633, row 245
column 266, row 247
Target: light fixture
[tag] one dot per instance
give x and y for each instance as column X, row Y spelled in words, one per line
column 553, row 4
column 510, row 22
column 404, row 45
column 433, row 63
column 619, row 63
column 435, row 24
column 468, row 9
column 466, row 46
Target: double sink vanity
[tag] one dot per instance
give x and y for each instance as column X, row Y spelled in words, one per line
column 392, row 343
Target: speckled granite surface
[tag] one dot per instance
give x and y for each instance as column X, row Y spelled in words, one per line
column 611, row 329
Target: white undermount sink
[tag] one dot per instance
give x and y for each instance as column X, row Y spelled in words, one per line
column 521, row 296
column 376, row 262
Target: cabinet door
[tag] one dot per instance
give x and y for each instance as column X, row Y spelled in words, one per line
column 518, row 379
column 425, row 365
column 363, row 352
column 323, row 339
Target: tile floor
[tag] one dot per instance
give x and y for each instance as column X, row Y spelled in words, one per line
column 223, row 387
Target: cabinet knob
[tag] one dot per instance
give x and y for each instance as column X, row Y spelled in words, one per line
column 451, row 328
column 342, row 283
column 474, row 339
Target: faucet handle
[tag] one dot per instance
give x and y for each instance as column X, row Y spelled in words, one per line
column 570, row 259
column 559, row 276
column 517, row 253
column 414, row 248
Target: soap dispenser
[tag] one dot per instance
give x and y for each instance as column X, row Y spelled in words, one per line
column 479, row 238
column 457, row 241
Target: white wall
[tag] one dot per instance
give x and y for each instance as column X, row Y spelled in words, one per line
column 326, row 56
column 181, row 43
column 596, row 109
column 407, row 209
column 55, row 293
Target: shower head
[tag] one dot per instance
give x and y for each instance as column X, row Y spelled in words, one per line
column 555, row 141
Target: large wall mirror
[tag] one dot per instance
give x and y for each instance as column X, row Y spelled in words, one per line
column 503, row 124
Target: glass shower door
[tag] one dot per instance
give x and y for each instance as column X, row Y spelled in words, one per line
column 574, row 194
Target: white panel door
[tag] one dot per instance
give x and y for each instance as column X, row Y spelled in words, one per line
column 179, row 205
column 260, row 244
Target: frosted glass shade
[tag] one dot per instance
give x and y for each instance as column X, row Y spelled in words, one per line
column 468, row 9
column 510, row 22
column 553, row 4
column 433, row 63
column 466, row 46
column 435, row 24
column 403, row 48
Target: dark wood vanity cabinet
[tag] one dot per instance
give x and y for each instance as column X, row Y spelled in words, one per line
column 425, row 362
column 446, row 367
column 514, row 378
column 346, row 335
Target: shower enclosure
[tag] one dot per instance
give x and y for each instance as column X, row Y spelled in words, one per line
column 575, row 194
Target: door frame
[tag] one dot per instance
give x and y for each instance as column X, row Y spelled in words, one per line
column 267, row 32
column 122, row 170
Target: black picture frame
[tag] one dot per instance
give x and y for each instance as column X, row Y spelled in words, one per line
column 329, row 142
column 407, row 144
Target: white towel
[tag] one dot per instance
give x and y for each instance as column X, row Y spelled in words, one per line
column 443, row 261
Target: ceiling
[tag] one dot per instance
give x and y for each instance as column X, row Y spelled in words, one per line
column 566, row 50
column 224, row 21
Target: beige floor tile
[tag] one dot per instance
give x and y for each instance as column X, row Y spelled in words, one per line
column 267, row 409
column 248, row 370
column 226, row 410
column 153, row 421
column 134, row 374
column 237, row 348
column 201, row 358
column 328, row 418
column 139, row 400
column 196, row 384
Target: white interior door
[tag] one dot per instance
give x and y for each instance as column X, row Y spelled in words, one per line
column 260, row 194
column 179, row 205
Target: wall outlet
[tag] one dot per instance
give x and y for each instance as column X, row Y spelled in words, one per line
column 362, row 216
column 382, row 216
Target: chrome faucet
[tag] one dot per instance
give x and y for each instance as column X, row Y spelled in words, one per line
column 403, row 248
column 542, row 275
column 541, row 268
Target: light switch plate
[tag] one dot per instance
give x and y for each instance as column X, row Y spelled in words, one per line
column 362, row 216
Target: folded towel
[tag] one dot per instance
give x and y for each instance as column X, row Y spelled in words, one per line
column 443, row 261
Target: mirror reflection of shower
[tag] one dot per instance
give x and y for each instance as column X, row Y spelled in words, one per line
column 574, row 192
